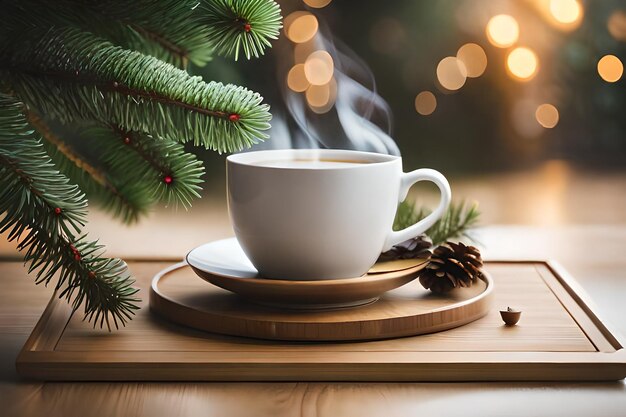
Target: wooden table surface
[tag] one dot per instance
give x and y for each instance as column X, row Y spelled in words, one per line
column 553, row 212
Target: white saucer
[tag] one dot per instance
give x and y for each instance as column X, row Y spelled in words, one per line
column 223, row 257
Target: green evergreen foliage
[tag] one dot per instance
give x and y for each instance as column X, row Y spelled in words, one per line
column 72, row 76
column 44, row 212
column 170, row 30
column 455, row 223
column 151, row 161
column 111, row 74
column 259, row 19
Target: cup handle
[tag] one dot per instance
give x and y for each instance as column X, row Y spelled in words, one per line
column 406, row 182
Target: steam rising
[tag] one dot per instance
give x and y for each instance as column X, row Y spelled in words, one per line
column 359, row 120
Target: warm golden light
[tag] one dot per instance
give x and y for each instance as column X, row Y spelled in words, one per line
column 321, row 98
column 319, row 67
column 502, row 30
column 317, row 4
column 425, row 103
column 451, row 73
column 617, row 25
column 300, row 26
column 289, row 19
column 565, row 11
column 474, row 59
column 318, row 95
column 296, row 80
column 547, row 115
column 610, row 68
column 522, row 63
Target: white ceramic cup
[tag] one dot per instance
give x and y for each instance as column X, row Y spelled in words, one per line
column 331, row 222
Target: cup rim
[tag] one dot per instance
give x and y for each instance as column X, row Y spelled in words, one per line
column 252, row 158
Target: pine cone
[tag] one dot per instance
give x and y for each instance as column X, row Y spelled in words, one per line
column 452, row 265
column 418, row 247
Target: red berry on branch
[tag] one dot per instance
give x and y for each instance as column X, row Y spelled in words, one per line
column 92, row 274
column 247, row 27
column 77, row 256
column 127, row 140
column 234, row 117
column 57, row 210
column 168, row 179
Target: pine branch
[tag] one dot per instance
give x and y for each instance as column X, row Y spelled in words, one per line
column 125, row 198
column 72, row 75
column 31, row 184
column 136, row 169
column 173, row 175
column 407, row 215
column 54, row 143
column 43, row 211
column 455, row 223
column 247, row 25
column 170, row 30
column 175, row 31
column 77, row 61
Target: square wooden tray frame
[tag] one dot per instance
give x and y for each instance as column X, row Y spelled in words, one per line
column 38, row 358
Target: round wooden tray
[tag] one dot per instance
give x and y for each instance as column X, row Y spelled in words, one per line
column 178, row 295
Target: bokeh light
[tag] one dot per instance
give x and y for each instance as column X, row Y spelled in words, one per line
column 319, row 68
column 300, row 26
column 617, row 25
column 451, row 73
column 318, row 95
column 566, row 11
column 321, row 98
column 522, row 63
column 474, row 59
column 425, row 103
column 610, row 68
column 547, row 115
column 502, row 31
column 290, row 18
column 296, row 80
column 317, row 4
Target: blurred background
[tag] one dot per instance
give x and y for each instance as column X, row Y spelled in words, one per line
column 473, row 86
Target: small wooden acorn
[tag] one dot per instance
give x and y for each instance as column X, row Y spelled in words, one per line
column 510, row 316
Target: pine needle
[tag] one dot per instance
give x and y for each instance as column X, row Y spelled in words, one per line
column 457, row 222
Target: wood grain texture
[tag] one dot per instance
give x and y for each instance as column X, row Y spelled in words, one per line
column 548, row 344
column 179, row 296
